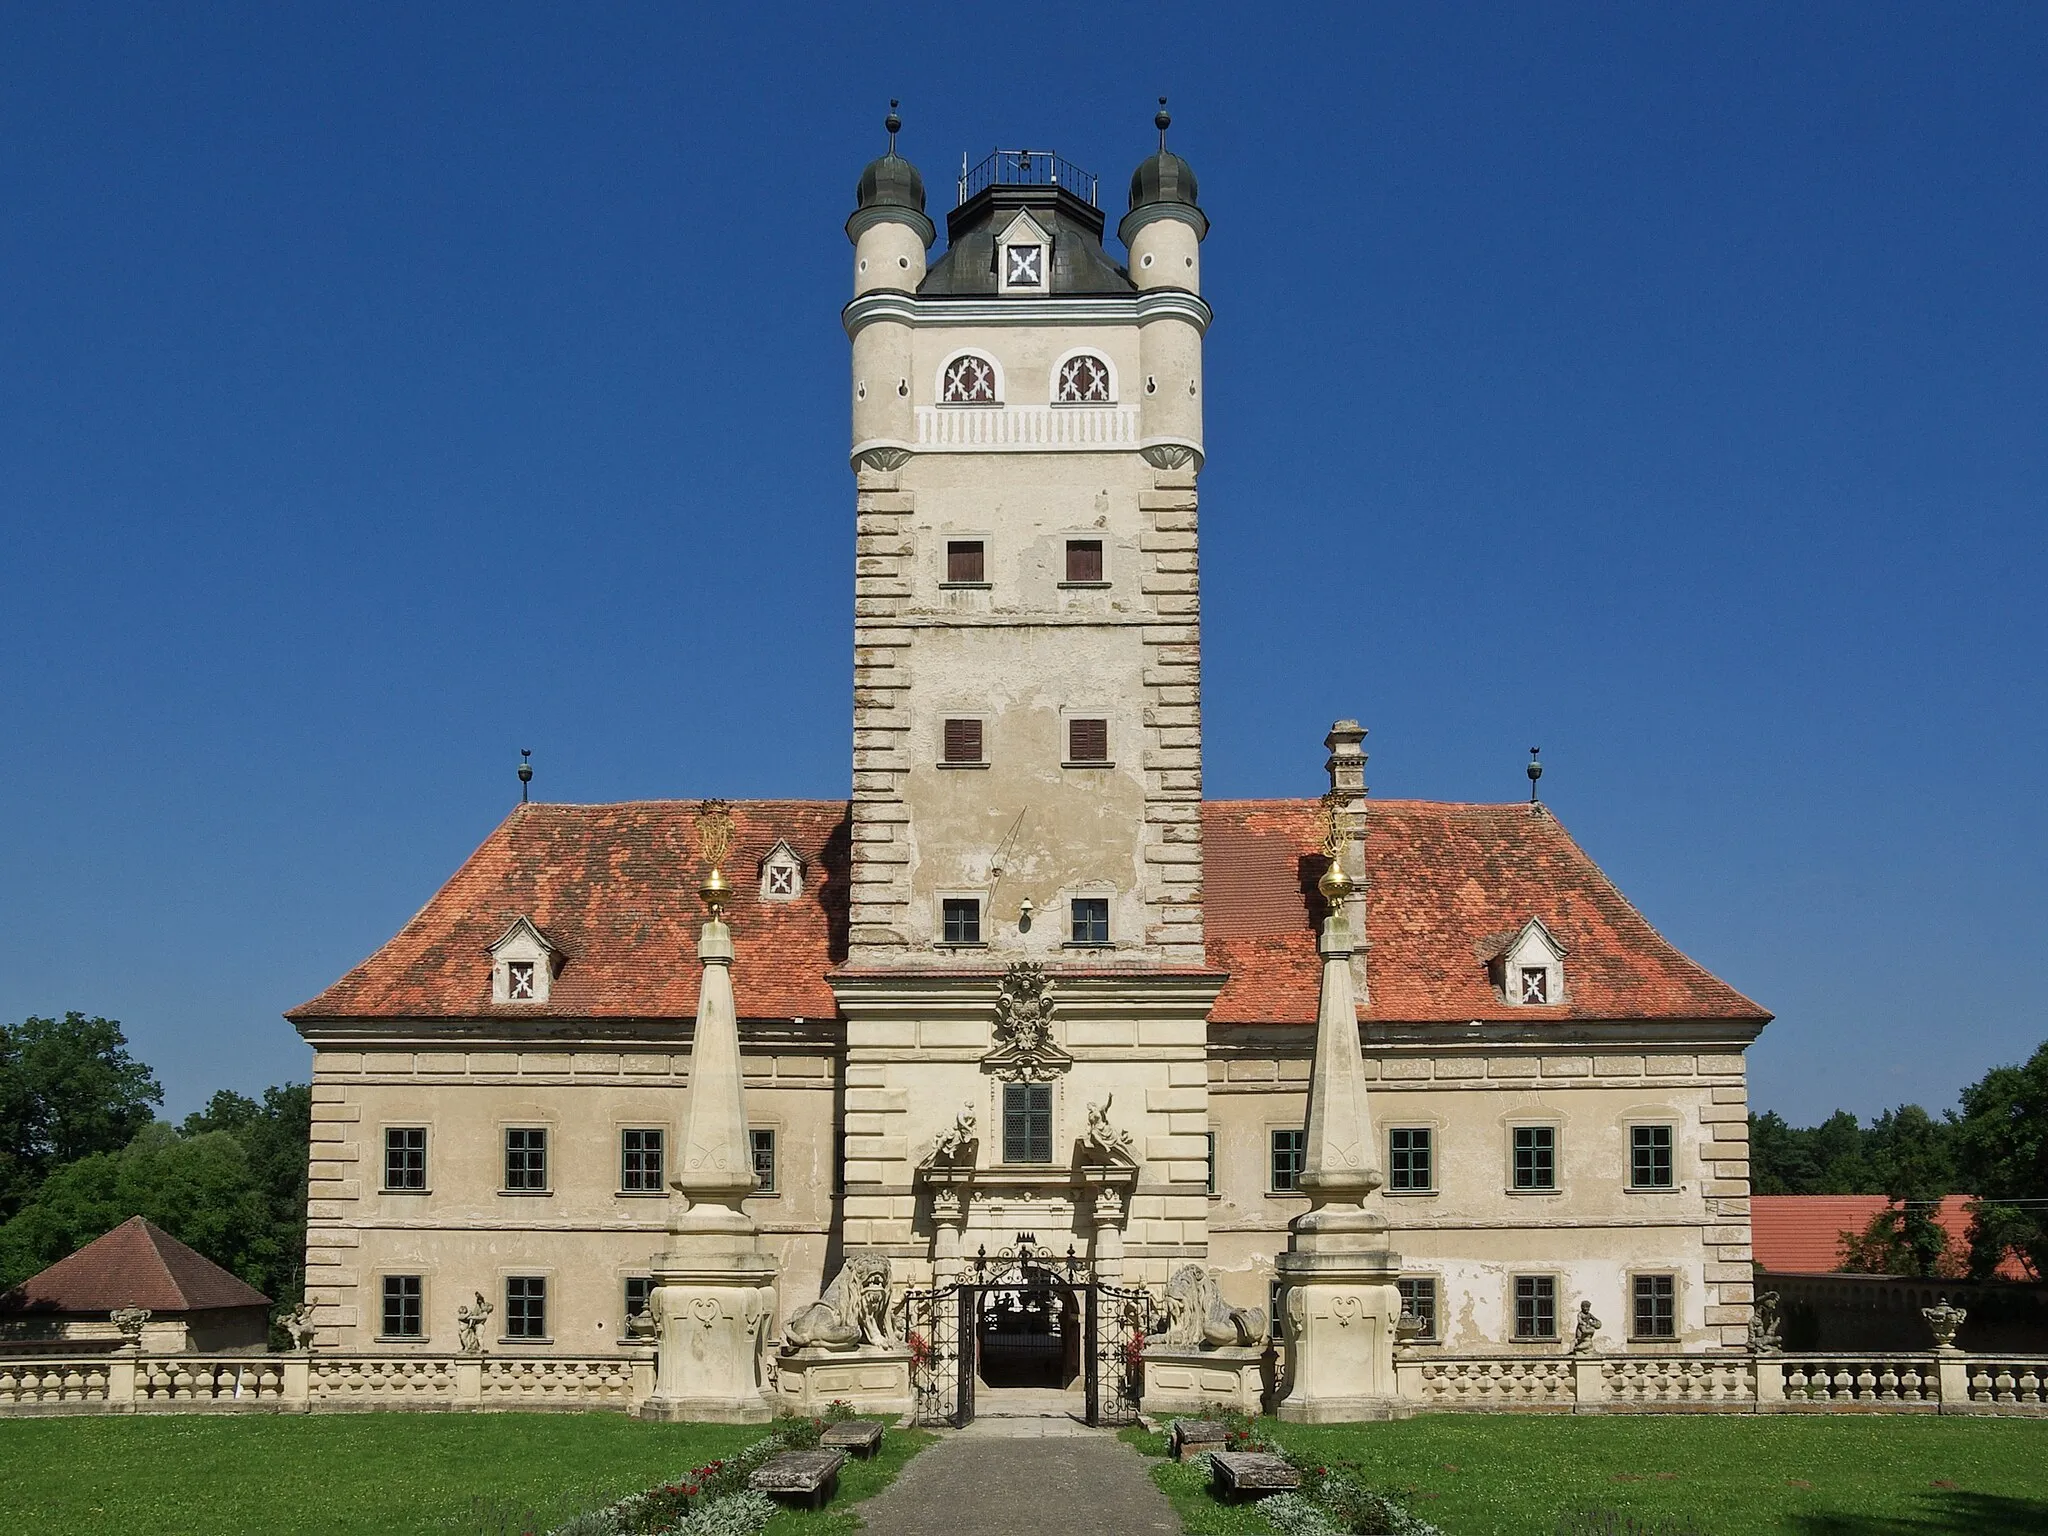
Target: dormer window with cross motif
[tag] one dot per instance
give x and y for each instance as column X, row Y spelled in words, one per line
column 1083, row 380
column 1024, row 266
column 970, row 379
column 523, row 964
column 782, row 873
column 1024, row 257
column 1529, row 967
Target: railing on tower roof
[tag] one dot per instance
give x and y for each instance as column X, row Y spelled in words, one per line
column 1025, row 168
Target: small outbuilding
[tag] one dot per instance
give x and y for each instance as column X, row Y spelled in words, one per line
column 137, row 1283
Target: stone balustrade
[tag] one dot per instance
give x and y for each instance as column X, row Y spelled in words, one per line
column 127, row 1382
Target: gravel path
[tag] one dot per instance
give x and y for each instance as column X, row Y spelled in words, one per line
column 1022, row 1477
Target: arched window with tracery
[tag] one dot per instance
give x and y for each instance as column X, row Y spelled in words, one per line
column 970, row 379
column 1083, row 380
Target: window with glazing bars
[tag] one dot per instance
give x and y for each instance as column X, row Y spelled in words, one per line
column 402, row 1310
column 1535, row 1307
column 1409, row 1162
column 638, row 1289
column 963, row 561
column 1027, row 1122
column 1090, row 916
column 761, row 1143
column 1088, row 741
column 526, row 1307
column 1084, row 559
column 640, row 1159
column 1649, row 1161
column 1656, row 1299
column 526, row 1159
column 1290, row 1154
column 960, row 920
column 963, row 741
column 405, row 1157
column 1535, row 1157
column 1419, row 1298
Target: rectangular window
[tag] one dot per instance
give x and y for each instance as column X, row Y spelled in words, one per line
column 402, row 1310
column 640, row 1158
column 1027, row 1122
column 1656, row 1307
column 1535, row 1157
column 1084, row 560
column 1087, row 741
column 960, row 920
column 963, row 562
column 1535, row 1307
column 638, row 1289
column 762, row 1144
column 1535, row 984
column 1290, row 1152
column 1649, row 1157
column 405, row 1157
column 1418, row 1298
column 526, row 1307
column 1090, row 920
column 963, row 741
column 526, row 1159
column 1210, row 1137
column 1410, row 1165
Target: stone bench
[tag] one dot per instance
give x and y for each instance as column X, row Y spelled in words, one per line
column 1187, row 1435
column 1251, row 1474
column 811, row 1476
column 863, row 1437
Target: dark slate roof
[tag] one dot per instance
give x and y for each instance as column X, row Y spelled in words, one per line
column 138, row 1264
column 1079, row 263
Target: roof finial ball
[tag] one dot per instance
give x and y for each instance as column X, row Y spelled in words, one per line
column 1162, row 120
column 525, row 772
column 894, row 123
column 1535, row 772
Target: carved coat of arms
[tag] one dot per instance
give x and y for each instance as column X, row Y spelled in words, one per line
column 1025, row 1050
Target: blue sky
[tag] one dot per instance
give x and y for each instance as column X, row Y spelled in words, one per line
column 384, row 391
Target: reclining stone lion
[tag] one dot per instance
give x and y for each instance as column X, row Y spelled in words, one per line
column 854, row 1311
column 1197, row 1316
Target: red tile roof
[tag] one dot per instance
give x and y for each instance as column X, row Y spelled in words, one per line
column 1447, row 882
column 614, row 888
column 138, row 1264
column 1802, row 1234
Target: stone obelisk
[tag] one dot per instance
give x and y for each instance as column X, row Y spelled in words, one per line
column 714, row 1289
column 1339, row 1302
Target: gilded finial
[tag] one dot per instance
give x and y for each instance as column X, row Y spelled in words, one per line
column 1335, row 884
column 714, row 836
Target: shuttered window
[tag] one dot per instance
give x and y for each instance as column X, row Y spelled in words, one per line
column 963, row 741
column 1088, row 741
column 963, row 560
column 1027, row 1122
column 1084, row 559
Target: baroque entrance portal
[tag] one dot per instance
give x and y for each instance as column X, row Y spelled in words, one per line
column 1025, row 1317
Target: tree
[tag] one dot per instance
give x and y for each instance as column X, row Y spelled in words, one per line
column 68, row 1089
column 2002, row 1146
column 200, row 1189
column 275, row 1136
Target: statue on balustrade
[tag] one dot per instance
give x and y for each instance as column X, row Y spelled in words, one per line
column 852, row 1314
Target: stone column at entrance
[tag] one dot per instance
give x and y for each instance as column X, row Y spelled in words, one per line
column 1340, row 1301
column 1109, row 1237
column 948, row 1217
column 714, row 1292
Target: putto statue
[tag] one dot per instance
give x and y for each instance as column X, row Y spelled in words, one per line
column 852, row 1314
column 298, row 1325
column 1104, row 1139
column 1764, row 1323
column 1197, row 1316
column 1585, row 1329
column 469, row 1325
column 954, row 1145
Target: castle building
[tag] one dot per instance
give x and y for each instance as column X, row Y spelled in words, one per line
column 1026, row 981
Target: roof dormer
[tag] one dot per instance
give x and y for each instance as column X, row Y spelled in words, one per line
column 782, row 873
column 1024, row 257
column 1528, row 969
column 523, row 964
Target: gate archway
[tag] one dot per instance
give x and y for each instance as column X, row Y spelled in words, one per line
column 1026, row 1317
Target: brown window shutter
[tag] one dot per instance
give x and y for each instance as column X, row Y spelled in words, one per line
column 1088, row 741
column 963, row 560
column 1084, row 559
column 963, row 741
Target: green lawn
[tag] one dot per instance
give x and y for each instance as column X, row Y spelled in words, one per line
column 372, row 1474
column 1848, row 1475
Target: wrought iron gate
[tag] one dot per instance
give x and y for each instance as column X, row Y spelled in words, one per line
column 945, row 1326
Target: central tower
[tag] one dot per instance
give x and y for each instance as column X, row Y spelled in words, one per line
column 1025, row 989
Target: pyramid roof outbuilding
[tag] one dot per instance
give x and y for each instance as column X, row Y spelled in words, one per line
column 138, row 1264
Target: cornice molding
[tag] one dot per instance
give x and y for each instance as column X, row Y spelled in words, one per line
column 1077, row 309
